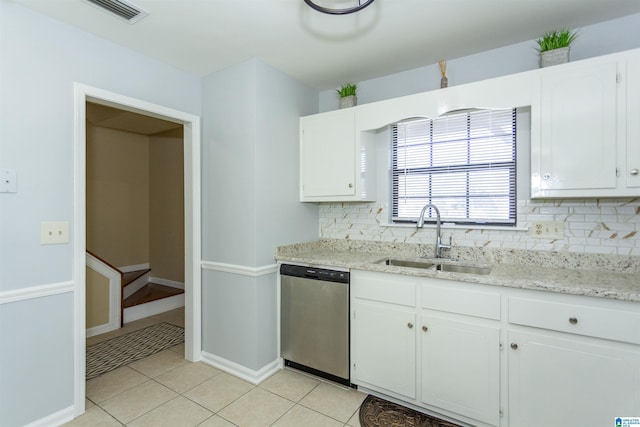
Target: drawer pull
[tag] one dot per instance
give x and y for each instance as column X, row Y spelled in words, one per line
column 425, row 328
column 514, row 346
column 409, row 325
column 573, row 320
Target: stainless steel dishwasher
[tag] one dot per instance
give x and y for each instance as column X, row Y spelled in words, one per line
column 314, row 321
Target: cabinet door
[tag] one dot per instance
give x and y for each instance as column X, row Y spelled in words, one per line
column 575, row 147
column 385, row 347
column 327, row 154
column 559, row 381
column 461, row 367
column 632, row 170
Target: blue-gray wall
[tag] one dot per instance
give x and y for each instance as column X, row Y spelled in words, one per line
column 593, row 40
column 250, row 204
column 40, row 59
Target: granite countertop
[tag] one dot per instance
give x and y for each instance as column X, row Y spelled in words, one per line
column 593, row 276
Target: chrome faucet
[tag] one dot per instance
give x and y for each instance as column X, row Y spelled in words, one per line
column 420, row 224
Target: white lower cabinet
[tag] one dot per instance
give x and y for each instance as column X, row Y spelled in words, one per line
column 495, row 356
column 437, row 359
column 385, row 339
column 460, row 365
column 558, row 381
column 572, row 361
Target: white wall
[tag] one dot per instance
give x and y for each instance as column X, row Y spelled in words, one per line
column 591, row 226
column 249, row 198
column 40, row 59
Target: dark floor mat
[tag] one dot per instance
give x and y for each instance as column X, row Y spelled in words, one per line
column 377, row 412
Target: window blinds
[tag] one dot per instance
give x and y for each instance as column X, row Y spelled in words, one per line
column 465, row 164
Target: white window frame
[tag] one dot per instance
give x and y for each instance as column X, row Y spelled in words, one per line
column 507, row 166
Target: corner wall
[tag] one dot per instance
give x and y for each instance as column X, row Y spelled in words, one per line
column 118, row 195
column 166, row 205
column 249, row 199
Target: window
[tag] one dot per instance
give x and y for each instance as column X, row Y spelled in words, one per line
column 465, row 164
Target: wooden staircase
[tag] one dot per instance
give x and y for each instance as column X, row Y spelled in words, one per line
column 139, row 290
column 148, row 292
column 140, row 296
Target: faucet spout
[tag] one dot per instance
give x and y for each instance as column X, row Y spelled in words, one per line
column 439, row 246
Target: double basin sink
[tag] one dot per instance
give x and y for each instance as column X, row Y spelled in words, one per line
column 437, row 266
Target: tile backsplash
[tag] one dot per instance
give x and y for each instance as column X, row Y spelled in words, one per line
column 594, row 226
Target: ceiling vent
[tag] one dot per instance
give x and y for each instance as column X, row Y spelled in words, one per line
column 122, row 9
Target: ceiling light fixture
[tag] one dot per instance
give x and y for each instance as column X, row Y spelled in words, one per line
column 338, row 11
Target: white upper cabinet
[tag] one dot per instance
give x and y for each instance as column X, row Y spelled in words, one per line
column 334, row 163
column 585, row 131
column 632, row 159
column 582, row 136
column 337, row 148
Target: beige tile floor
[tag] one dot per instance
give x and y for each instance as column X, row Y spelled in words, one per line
column 166, row 390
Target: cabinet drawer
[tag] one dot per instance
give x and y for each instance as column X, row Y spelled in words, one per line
column 382, row 287
column 618, row 325
column 461, row 301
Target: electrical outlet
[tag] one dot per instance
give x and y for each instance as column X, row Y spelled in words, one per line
column 547, row 229
column 53, row 233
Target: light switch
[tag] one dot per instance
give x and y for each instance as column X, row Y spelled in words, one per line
column 8, row 181
column 53, row 233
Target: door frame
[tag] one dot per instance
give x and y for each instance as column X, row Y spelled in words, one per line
column 192, row 235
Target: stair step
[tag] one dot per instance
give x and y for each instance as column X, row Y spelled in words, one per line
column 151, row 292
column 131, row 276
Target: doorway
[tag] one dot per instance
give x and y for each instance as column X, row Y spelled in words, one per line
column 134, row 216
column 191, row 167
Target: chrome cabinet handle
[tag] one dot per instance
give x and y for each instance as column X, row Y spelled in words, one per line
column 634, row 172
column 514, row 346
column 573, row 320
column 409, row 325
column 350, row 185
column 425, row 328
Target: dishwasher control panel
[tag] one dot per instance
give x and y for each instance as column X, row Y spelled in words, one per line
column 315, row 273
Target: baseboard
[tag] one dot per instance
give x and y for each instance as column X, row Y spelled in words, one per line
column 56, row 419
column 254, row 377
column 167, row 282
column 101, row 329
column 152, row 308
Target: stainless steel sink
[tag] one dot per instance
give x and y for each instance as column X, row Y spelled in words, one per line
column 406, row 263
column 430, row 265
column 465, row 269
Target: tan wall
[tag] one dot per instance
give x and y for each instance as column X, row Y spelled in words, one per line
column 97, row 299
column 118, row 195
column 166, row 204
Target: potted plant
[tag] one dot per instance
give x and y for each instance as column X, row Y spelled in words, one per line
column 347, row 94
column 554, row 46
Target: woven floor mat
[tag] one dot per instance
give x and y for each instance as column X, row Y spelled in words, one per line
column 108, row 355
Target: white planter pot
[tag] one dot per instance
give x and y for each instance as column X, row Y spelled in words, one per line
column 554, row 57
column 348, row 101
